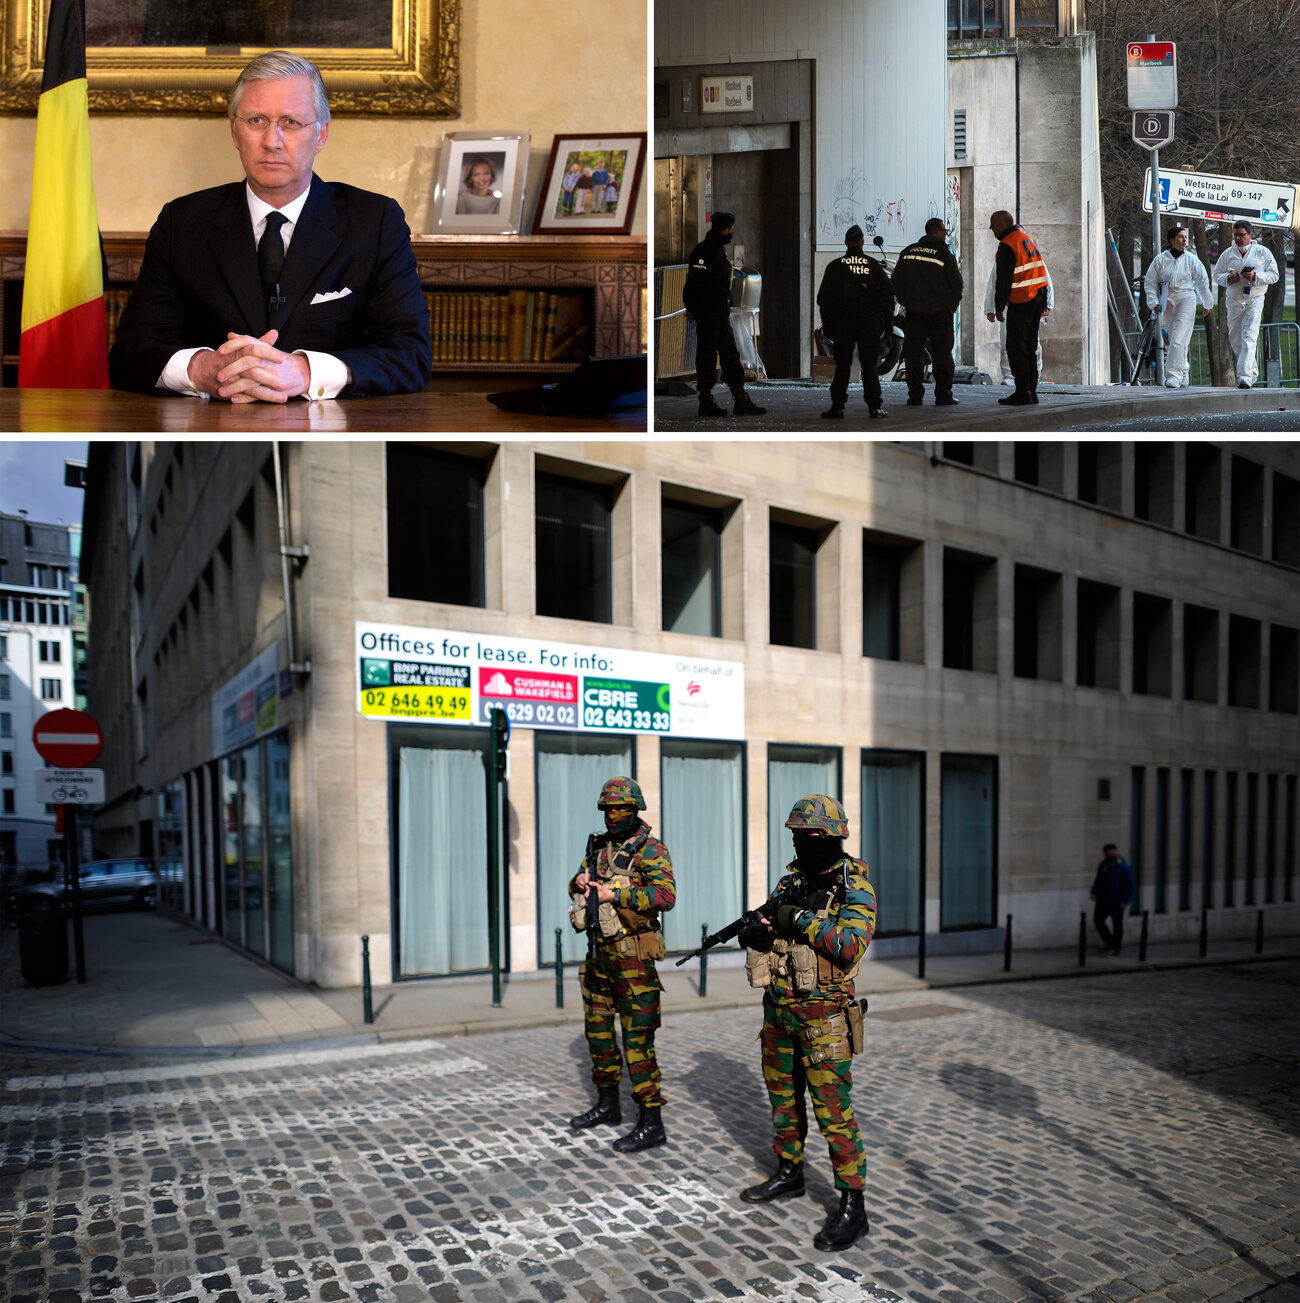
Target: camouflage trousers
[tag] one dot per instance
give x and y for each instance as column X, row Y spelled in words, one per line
column 628, row 987
column 788, row 1080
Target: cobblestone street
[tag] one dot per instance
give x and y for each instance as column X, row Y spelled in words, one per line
column 1103, row 1138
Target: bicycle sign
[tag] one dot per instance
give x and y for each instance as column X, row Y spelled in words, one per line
column 70, row 786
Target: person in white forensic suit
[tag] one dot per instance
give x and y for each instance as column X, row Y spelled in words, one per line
column 990, row 315
column 1185, row 281
column 1245, row 269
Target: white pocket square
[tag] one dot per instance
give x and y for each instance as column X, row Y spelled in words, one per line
column 333, row 294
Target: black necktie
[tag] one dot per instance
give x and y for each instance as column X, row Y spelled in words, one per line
column 270, row 259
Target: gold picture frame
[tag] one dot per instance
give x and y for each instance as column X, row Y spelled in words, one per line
column 417, row 74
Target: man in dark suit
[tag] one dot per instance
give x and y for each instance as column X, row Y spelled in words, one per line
column 286, row 285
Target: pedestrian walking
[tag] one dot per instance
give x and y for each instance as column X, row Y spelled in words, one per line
column 1019, row 297
column 632, row 877
column 990, row 314
column 927, row 282
column 1174, row 282
column 1244, row 269
column 707, row 299
column 818, row 924
column 1112, row 889
column 856, row 302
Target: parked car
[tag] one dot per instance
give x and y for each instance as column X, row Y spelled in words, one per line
column 104, row 885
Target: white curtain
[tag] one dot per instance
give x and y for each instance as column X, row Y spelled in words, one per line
column 792, row 773
column 568, row 783
column 891, row 837
column 966, row 890
column 703, row 829
column 442, row 860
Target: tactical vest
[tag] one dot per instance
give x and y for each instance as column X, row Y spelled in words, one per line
column 631, row 931
column 799, row 964
column 1030, row 273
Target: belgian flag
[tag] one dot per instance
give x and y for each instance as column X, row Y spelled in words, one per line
column 64, row 342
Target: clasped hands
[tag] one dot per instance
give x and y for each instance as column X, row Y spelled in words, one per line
column 604, row 894
column 247, row 369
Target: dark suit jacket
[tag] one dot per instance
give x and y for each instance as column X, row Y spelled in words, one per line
column 199, row 279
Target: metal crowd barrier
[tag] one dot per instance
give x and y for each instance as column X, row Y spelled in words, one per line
column 1278, row 352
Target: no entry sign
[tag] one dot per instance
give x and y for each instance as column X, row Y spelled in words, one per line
column 67, row 739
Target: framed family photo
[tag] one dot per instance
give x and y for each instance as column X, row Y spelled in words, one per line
column 481, row 177
column 591, row 185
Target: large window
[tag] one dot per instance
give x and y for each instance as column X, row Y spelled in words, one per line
column 573, row 548
column 279, row 853
column 893, row 836
column 442, row 849
column 1037, row 624
column 171, row 844
column 970, row 607
column 792, row 772
column 435, row 525
column 571, row 770
column 692, row 568
column 792, row 582
column 968, row 841
column 704, row 830
column 1097, row 636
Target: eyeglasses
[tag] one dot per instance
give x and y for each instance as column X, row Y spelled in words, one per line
column 255, row 124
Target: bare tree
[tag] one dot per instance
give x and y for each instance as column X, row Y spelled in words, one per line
column 1238, row 65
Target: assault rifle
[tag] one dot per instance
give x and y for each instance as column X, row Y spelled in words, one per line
column 789, row 896
column 593, row 900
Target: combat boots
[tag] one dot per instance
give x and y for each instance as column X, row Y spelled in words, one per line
column 836, row 413
column 648, row 1132
column 746, row 406
column 844, row 1225
column 787, row 1181
column 710, row 408
column 605, row 1109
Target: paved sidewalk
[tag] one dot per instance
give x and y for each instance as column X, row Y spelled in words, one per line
column 155, row 983
column 798, row 404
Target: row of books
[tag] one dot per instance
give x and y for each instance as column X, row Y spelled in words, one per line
column 501, row 326
column 508, row 326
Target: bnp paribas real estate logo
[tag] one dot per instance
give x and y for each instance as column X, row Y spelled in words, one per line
column 376, row 674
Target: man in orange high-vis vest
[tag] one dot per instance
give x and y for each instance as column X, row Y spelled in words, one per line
column 1020, row 294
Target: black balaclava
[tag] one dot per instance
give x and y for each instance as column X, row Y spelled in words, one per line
column 816, row 853
column 620, row 821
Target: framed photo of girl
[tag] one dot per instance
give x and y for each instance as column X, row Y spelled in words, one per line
column 591, row 184
column 480, row 189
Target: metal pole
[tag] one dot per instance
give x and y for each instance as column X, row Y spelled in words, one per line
column 1142, row 942
column 1157, row 339
column 1205, row 923
column 1083, row 939
column 74, row 871
column 1259, row 933
column 559, row 969
column 1006, row 956
column 496, row 774
column 704, row 961
column 367, row 1008
column 920, row 954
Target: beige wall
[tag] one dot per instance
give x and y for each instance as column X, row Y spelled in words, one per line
column 556, row 72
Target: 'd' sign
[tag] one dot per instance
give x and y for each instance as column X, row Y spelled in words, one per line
column 67, row 739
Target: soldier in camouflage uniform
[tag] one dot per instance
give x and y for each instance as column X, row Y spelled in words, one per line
column 633, row 876
column 817, row 925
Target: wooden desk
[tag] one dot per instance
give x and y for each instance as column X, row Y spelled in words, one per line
column 113, row 411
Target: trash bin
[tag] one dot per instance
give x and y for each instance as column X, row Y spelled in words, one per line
column 43, row 944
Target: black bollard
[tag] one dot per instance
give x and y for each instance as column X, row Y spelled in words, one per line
column 367, row 1009
column 1142, row 942
column 1259, row 933
column 1006, row 954
column 559, row 969
column 704, row 961
column 1205, row 923
column 1083, row 939
column 920, row 955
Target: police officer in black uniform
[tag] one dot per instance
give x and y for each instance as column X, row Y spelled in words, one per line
column 927, row 282
column 856, row 300
column 707, row 299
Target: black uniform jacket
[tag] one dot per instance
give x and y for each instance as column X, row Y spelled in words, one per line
column 927, row 279
column 855, row 291
column 199, row 280
column 707, row 292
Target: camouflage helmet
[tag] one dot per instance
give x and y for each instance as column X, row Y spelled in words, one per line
column 818, row 814
column 621, row 791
